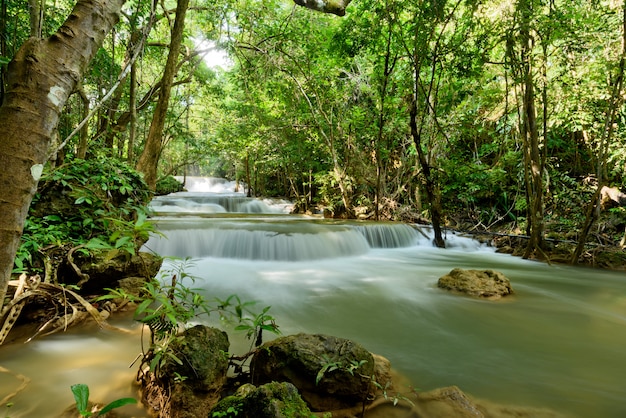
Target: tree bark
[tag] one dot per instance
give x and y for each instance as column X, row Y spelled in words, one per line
column 430, row 185
column 149, row 158
column 3, row 45
column 616, row 100
column 40, row 78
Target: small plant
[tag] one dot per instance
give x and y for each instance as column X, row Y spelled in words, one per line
column 255, row 326
column 231, row 411
column 330, row 366
column 8, row 406
column 81, row 396
column 166, row 308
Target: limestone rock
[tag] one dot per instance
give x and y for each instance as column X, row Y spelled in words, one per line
column 204, row 354
column 104, row 271
column 271, row 400
column 487, row 284
column 342, row 369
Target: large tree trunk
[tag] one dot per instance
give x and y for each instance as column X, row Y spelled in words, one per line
column 149, row 158
column 40, row 78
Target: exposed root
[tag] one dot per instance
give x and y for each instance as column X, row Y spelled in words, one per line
column 70, row 307
column 154, row 395
column 24, row 381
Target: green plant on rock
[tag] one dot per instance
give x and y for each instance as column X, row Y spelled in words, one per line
column 168, row 185
column 330, row 366
column 80, row 201
column 167, row 305
column 126, row 238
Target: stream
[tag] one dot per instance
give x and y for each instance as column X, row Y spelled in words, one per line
column 559, row 342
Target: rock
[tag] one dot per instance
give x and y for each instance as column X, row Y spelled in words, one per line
column 271, row 400
column 487, row 284
column 611, row 197
column 203, row 352
column 342, row 369
column 105, row 272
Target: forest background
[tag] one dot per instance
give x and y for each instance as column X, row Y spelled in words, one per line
column 479, row 115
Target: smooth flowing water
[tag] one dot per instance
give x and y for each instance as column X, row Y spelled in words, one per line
column 559, row 342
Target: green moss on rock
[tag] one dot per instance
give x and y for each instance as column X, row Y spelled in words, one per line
column 271, row 400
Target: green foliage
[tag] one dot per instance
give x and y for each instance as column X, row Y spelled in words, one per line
column 231, row 411
column 97, row 203
column 166, row 308
column 255, row 325
column 330, row 366
column 168, row 185
column 81, row 396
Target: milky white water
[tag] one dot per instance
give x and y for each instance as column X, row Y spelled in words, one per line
column 559, row 342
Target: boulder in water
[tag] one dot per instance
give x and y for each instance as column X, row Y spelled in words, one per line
column 330, row 372
column 195, row 386
column 488, row 284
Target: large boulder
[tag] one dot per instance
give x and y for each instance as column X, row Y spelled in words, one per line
column 488, row 284
column 101, row 270
column 330, row 372
column 195, row 385
column 271, row 400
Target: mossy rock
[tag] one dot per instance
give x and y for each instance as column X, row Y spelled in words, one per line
column 271, row 400
column 328, row 371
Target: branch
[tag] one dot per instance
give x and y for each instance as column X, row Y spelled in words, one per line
column 336, row 7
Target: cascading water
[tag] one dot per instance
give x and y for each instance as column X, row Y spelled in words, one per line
column 558, row 343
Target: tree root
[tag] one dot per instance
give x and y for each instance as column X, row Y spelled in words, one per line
column 71, row 308
column 24, row 383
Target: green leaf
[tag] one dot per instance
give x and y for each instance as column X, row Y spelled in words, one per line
column 97, row 244
column 4, row 60
column 123, row 241
column 81, row 395
column 116, row 404
column 142, row 306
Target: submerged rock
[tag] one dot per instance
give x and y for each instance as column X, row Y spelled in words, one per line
column 488, row 284
column 330, row 372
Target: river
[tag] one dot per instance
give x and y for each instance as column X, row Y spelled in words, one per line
column 559, row 342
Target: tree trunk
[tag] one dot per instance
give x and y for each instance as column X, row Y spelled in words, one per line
column 84, row 131
column 34, row 13
column 430, row 185
column 42, row 75
column 3, row 45
column 149, row 158
column 616, row 100
column 533, row 161
column 133, row 112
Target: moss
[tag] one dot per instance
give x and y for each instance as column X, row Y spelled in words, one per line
column 168, row 185
column 230, row 406
column 271, row 400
